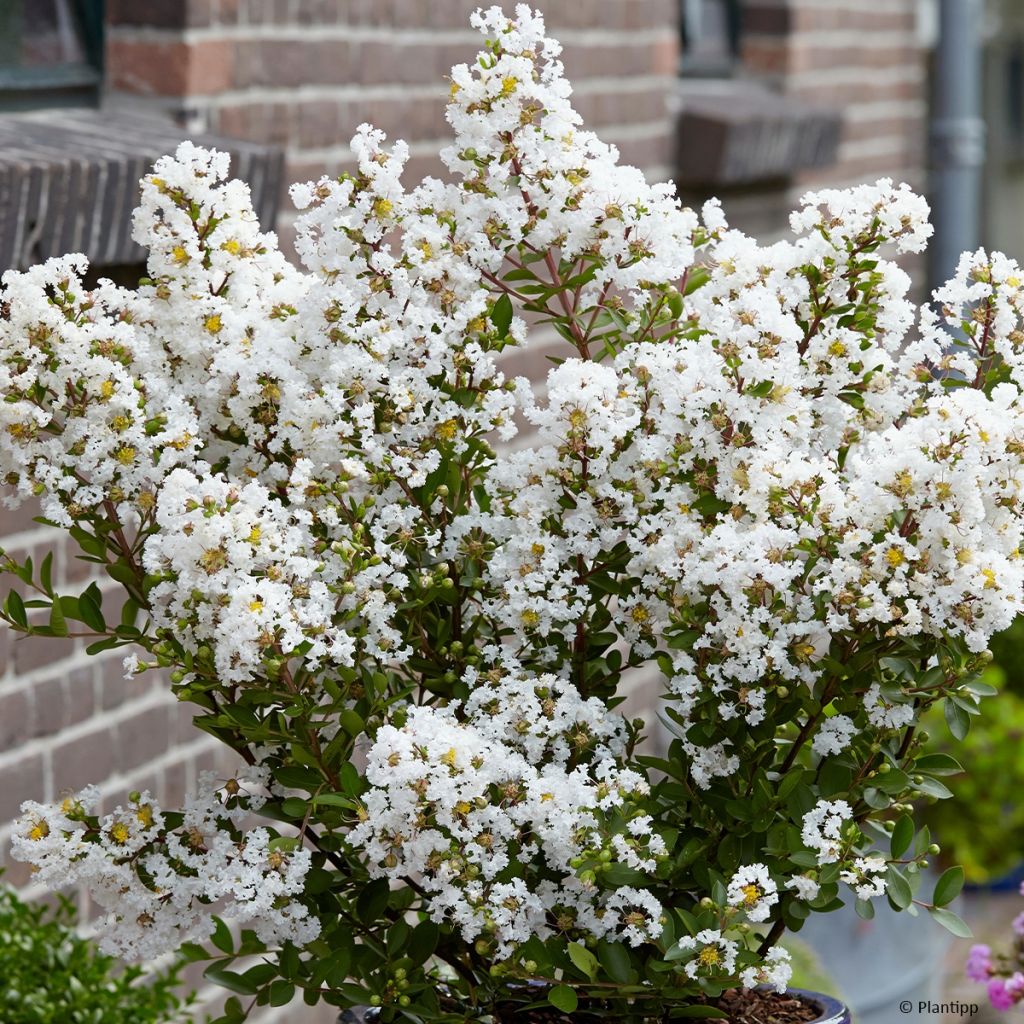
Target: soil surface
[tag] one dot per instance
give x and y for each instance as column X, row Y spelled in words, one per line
column 755, row 1007
column 744, row 1006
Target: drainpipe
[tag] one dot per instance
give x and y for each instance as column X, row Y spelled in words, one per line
column 957, row 136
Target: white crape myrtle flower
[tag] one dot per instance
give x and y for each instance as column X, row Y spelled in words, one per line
column 191, row 872
column 713, row 954
column 775, row 972
column 834, row 736
column 866, row 877
column 754, row 891
column 805, row 888
column 822, row 828
column 885, row 714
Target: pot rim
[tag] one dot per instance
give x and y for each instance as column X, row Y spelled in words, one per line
column 832, row 1011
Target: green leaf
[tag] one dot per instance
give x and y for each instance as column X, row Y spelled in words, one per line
column 91, row 614
column 948, row 887
column 260, row 974
column 865, row 909
column 101, row 645
column 46, row 573
column 16, row 609
column 120, row 572
column 932, row 787
column 351, row 722
column 423, row 941
column 951, row 922
column 615, row 960
column 501, row 315
column 938, row 764
column 583, row 959
column 229, row 979
column 957, row 719
column 233, row 1013
column 350, row 779
column 898, row 888
column 58, row 623
column 372, row 901
column 902, row 836
column 295, row 777
column 294, row 807
column 334, row 800
column 281, row 993
column 622, row 874
column 221, row 937
column 563, row 998
column 191, row 952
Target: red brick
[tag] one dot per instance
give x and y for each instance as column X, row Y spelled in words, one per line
column 170, row 67
column 50, row 710
column 141, row 738
column 78, row 762
column 116, row 690
column 35, row 652
column 15, row 713
column 6, row 639
column 19, row 519
column 16, row 872
column 79, row 696
column 22, row 780
column 174, row 784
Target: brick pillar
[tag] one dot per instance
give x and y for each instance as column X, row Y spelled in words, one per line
column 865, row 57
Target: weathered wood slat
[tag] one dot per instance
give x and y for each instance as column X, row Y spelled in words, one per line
column 69, row 181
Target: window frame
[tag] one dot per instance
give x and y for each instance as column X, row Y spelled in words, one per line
column 62, row 85
column 705, row 67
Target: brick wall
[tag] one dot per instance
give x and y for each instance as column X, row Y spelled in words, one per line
column 863, row 57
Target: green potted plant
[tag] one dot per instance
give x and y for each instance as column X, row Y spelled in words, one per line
column 745, row 473
column 51, row 975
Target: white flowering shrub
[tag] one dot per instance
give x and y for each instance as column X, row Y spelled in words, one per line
column 761, row 472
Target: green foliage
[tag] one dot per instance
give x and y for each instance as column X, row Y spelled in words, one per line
column 50, row 975
column 1008, row 650
column 982, row 827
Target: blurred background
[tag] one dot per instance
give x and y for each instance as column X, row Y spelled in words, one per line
column 752, row 100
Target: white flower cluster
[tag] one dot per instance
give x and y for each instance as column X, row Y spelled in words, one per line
column 823, row 829
column 826, row 831
column 160, row 885
column 484, row 807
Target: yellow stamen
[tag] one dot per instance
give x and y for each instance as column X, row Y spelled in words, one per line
column 895, row 557
column 119, row 832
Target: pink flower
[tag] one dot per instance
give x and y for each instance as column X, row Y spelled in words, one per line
column 1018, row 924
column 979, row 963
column 1015, row 986
column 998, row 996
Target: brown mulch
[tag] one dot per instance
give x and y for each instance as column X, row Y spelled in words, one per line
column 744, row 1006
column 755, row 1007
